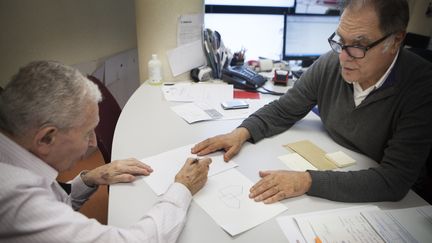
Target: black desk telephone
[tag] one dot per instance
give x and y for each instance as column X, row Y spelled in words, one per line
column 243, row 78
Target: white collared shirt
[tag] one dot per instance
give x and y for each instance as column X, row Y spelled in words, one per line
column 360, row 94
column 34, row 208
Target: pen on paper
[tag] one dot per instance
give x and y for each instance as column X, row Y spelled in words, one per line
column 196, row 160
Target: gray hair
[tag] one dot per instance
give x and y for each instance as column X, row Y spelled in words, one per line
column 45, row 92
column 393, row 15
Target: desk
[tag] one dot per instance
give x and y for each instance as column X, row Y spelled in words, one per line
column 147, row 127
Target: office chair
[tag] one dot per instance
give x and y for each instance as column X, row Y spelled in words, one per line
column 416, row 40
column 109, row 112
column 424, row 53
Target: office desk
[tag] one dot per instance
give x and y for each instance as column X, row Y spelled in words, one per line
column 147, row 127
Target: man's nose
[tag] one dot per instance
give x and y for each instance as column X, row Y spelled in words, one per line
column 343, row 56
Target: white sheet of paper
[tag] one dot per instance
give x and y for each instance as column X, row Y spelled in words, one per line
column 189, row 92
column 203, row 111
column 225, row 198
column 290, row 229
column 166, row 165
column 189, row 28
column 197, row 111
column 339, row 225
column 296, row 163
column 186, row 57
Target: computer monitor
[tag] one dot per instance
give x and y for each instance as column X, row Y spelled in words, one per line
column 306, row 36
column 329, row 7
column 260, row 34
column 266, row 3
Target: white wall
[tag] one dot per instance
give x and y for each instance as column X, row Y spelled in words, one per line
column 157, row 30
column 419, row 22
column 70, row 31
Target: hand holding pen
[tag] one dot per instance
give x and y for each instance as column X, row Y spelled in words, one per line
column 194, row 173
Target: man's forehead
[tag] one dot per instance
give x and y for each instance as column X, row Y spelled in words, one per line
column 352, row 37
column 359, row 24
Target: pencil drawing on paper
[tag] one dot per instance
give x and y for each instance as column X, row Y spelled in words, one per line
column 231, row 195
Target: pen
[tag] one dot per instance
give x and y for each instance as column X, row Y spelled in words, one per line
column 196, row 160
column 317, row 239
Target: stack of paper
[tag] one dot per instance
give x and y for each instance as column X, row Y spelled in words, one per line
column 360, row 224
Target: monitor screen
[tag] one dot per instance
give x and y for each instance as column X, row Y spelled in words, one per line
column 260, row 34
column 267, row 3
column 306, row 36
column 317, row 6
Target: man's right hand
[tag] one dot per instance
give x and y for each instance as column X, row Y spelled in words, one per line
column 193, row 174
column 230, row 142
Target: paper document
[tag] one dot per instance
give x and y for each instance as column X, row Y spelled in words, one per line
column 403, row 225
column 337, row 225
column 202, row 111
column 189, row 28
column 166, row 165
column 360, row 224
column 343, row 225
column 189, row 92
column 296, row 163
column 225, row 198
column 197, row 111
column 186, row 57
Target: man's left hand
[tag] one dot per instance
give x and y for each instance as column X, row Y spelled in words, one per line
column 278, row 185
column 115, row 172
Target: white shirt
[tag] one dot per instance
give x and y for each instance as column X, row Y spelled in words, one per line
column 34, row 208
column 360, row 94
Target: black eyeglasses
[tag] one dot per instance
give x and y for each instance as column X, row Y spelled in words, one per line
column 354, row 51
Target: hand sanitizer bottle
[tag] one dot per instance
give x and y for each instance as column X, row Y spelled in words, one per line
column 155, row 70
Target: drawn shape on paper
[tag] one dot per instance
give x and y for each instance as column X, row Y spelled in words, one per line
column 231, row 195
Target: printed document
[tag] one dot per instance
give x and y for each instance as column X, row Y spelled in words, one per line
column 189, row 92
column 403, row 225
column 360, row 224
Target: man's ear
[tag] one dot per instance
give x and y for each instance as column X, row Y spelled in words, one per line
column 398, row 40
column 44, row 140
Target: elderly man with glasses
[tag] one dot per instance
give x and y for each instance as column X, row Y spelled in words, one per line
column 373, row 97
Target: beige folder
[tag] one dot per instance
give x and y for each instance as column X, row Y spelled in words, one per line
column 313, row 154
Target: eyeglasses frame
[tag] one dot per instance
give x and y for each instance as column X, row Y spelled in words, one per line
column 364, row 48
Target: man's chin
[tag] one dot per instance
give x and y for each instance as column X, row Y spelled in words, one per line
column 348, row 77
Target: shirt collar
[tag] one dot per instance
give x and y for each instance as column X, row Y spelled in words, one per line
column 12, row 153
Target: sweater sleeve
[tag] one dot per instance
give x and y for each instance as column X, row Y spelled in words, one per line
column 296, row 103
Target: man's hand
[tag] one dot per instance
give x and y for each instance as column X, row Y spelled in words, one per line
column 230, row 142
column 278, row 185
column 115, row 172
column 193, row 174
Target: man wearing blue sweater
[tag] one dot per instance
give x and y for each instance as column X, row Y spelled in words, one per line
column 373, row 96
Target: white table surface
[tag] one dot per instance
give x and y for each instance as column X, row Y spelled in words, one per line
column 147, row 127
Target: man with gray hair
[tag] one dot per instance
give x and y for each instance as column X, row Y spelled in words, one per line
column 48, row 113
column 373, row 96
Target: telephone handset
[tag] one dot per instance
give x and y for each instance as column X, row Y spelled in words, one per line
column 243, row 77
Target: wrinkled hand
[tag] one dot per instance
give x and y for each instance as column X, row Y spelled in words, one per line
column 193, row 174
column 115, row 172
column 278, row 185
column 230, row 142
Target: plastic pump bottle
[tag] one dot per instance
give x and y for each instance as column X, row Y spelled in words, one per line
column 155, row 70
